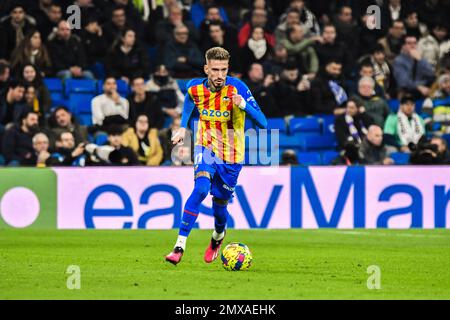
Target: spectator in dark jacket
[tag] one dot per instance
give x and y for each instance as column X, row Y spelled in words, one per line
column 17, row 141
column 94, row 42
column 68, row 55
column 127, row 59
column 290, row 93
column 352, row 126
column 165, row 28
column 348, row 30
column 142, row 102
column 372, row 149
column 12, row 104
column 332, row 49
column 220, row 36
column 5, row 76
column 62, row 120
column 328, row 90
column 67, row 153
column 14, row 29
column 47, row 18
column 181, row 56
column 118, row 23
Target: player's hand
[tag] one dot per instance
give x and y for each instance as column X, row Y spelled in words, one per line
column 238, row 101
column 178, row 136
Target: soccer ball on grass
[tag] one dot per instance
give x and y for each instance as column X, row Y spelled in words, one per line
column 236, row 256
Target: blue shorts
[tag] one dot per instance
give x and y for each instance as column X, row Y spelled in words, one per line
column 223, row 175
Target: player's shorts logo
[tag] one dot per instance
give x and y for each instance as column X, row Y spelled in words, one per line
column 228, row 187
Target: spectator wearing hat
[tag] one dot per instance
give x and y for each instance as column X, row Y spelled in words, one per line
column 405, row 128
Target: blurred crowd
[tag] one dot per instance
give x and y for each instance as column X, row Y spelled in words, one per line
column 299, row 58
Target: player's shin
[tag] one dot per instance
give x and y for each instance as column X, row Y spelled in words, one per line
column 221, row 216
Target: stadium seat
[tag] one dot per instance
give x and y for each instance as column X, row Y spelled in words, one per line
column 289, row 141
column 317, row 142
column 122, row 87
column 327, row 121
column 329, row 156
column 55, row 87
column 400, row 157
column 85, row 119
column 80, row 86
column 309, row 158
column 80, row 103
column 308, row 124
column 276, row 123
column 394, row 104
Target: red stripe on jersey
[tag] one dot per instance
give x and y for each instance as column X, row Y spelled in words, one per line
column 195, row 97
column 219, row 134
column 207, row 94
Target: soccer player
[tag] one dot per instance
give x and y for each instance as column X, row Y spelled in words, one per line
column 222, row 102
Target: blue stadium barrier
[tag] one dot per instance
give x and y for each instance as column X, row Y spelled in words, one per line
column 307, row 124
column 400, row 157
column 329, row 156
column 80, row 86
column 290, row 141
column 122, row 87
column 98, row 70
column 59, row 102
column 309, row 158
column 277, row 123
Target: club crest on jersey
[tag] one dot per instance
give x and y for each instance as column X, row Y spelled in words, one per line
column 226, row 99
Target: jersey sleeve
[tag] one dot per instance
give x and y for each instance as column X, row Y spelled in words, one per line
column 188, row 107
column 251, row 108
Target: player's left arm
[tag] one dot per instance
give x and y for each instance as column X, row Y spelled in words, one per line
column 245, row 101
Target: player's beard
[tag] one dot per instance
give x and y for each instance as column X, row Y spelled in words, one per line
column 215, row 87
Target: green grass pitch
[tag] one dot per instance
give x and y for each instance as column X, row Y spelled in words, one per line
column 287, row 264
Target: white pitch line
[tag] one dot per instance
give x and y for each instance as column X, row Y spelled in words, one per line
column 391, row 234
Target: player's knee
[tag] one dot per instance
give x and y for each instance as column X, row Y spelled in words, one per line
column 220, row 202
column 202, row 187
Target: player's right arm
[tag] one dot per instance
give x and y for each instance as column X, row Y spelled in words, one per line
column 188, row 107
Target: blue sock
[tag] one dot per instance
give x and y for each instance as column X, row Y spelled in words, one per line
column 220, row 215
column 191, row 208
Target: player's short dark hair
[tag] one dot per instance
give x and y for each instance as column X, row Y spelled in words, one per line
column 217, row 53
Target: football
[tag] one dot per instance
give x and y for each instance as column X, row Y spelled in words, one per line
column 236, row 256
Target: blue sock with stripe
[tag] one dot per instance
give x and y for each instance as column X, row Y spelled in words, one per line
column 221, row 216
column 191, row 208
